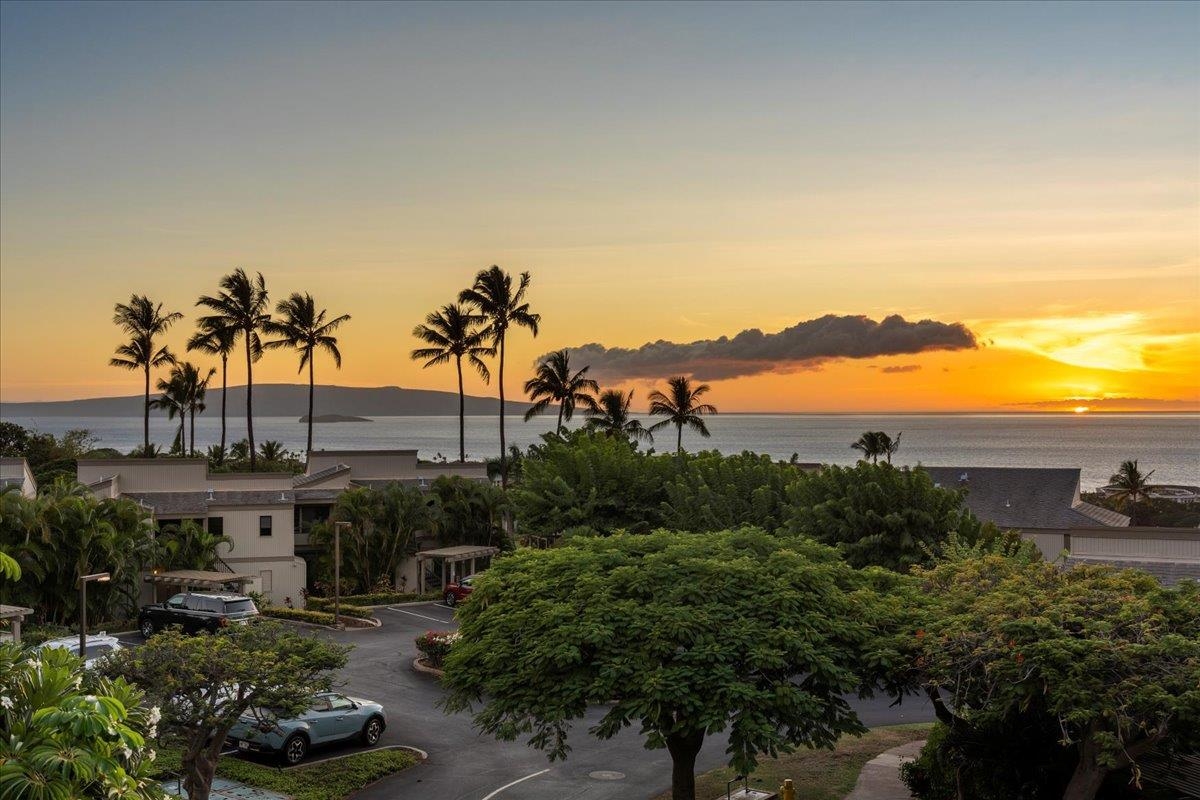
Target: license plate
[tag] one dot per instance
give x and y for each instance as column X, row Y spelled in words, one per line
column 243, row 745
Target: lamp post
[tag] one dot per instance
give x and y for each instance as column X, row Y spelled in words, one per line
column 337, row 572
column 84, row 580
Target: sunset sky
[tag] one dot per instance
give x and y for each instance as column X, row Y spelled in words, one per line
column 1028, row 173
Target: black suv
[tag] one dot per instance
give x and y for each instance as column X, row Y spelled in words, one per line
column 196, row 612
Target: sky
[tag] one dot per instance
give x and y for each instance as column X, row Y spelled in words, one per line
column 1024, row 177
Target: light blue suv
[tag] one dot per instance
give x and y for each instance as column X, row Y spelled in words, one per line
column 331, row 717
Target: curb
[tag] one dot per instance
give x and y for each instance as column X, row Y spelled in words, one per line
column 350, row 628
column 421, row 756
column 418, row 666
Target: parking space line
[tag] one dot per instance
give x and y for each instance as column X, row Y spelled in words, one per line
column 514, row 783
column 422, row 616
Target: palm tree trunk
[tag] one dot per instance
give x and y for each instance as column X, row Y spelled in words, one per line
column 679, row 439
column 462, row 414
column 182, row 436
column 224, row 376
column 310, row 402
column 146, row 416
column 193, row 431
column 503, row 449
column 559, row 426
column 249, row 400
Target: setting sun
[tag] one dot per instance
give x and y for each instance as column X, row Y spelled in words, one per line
column 1081, row 409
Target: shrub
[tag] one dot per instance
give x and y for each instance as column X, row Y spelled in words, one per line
column 374, row 599
column 346, row 609
column 298, row 615
column 435, row 646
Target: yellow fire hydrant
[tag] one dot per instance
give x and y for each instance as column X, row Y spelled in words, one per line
column 787, row 791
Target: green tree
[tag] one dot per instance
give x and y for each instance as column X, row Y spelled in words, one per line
column 242, row 306
column 553, row 382
column 204, row 683
column 183, row 393
column 215, row 339
column 873, row 444
column 1109, row 659
column 711, row 492
column 272, row 451
column 49, row 457
column 1131, row 489
column 14, row 439
column 143, row 321
column 680, row 407
column 502, row 307
column 470, row 512
column 189, row 545
column 67, row 733
column 454, row 332
column 611, row 417
column 303, row 328
column 662, row 629
column 878, row 514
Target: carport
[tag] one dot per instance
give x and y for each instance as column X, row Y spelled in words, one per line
column 198, row 579
column 451, row 558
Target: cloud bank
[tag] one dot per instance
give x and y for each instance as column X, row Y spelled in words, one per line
column 805, row 345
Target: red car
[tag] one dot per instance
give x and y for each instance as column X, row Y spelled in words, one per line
column 457, row 592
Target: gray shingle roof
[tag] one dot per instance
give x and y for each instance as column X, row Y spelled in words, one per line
column 1025, row 497
column 168, row 504
column 1168, row 573
column 319, row 475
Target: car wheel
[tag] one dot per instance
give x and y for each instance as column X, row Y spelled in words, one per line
column 147, row 628
column 372, row 731
column 295, row 749
column 450, row 599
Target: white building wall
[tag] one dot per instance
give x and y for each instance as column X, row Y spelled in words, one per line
column 376, row 464
column 147, row 474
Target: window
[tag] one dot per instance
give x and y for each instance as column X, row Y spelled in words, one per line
column 242, row 606
column 339, row 703
column 264, row 525
column 216, row 526
column 265, row 581
column 177, row 601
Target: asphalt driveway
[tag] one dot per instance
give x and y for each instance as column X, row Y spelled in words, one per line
column 464, row 765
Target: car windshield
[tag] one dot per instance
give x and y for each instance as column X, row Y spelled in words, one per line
column 240, row 606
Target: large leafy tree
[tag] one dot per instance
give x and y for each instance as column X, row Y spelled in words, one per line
column 241, row 306
column 681, row 406
column 300, row 326
column 216, row 339
column 662, row 629
column 502, row 306
column 67, row 733
column 204, row 683
column 878, row 514
column 710, row 491
column 144, row 321
column 454, row 332
column 611, row 417
column 1107, row 659
column 553, row 382
column 470, row 512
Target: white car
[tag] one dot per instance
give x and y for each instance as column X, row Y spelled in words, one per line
column 99, row 645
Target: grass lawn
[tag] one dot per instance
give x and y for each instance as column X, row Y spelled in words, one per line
column 329, row 780
column 816, row 774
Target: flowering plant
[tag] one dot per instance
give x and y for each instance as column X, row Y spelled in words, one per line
column 435, row 646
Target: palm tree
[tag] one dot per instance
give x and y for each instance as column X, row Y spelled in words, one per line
column 1130, row 486
column 869, row 445
column 241, row 306
column 183, row 394
column 272, row 450
column 174, row 399
column 216, row 341
column 453, row 332
column 610, row 416
column 144, row 321
column 680, row 408
column 493, row 296
column 197, row 389
column 302, row 327
column 553, row 382
column 890, row 445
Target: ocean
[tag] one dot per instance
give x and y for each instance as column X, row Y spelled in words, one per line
column 1169, row 444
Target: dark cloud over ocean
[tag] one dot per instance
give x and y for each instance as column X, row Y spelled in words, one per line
column 805, row 345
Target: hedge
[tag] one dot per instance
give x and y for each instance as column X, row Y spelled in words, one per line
column 347, row 609
column 374, row 599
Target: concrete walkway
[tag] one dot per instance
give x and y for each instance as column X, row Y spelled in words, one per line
column 880, row 777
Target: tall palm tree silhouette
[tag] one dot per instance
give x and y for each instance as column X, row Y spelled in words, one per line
column 216, row 341
column 144, row 321
column 611, row 417
column 553, row 382
column 242, row 306
column 454, row 332
column 678, row 404
column 300, row 326
column 502, row 307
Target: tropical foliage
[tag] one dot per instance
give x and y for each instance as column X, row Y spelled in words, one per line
column 454, row 332
column 554, row 382
column 188, row 545
column 611, row 417
column 301, row 327
column 49, row 457
column 502, row 306
column 681, row 407
column 241, row 306
column 873, row 444
column 1099, row 665
column 67, row 733
column 469, row 512
column 878, row 514
column 183, row 395
column 143, row 321
column 204, row 683
column 662, row 629
column 214, row 338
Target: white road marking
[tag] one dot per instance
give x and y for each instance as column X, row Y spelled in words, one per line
column 422, row 616
column 514, row 783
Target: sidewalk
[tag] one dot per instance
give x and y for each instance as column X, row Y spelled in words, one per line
column 880, row 777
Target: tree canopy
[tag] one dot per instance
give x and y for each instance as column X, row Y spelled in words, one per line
column 204, row 683
column 684, row 635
